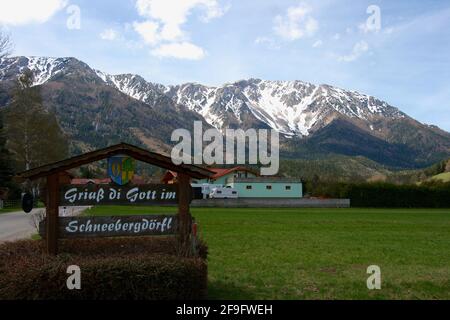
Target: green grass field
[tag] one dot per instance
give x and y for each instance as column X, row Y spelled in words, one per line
column 321, row 253
column 9, row 210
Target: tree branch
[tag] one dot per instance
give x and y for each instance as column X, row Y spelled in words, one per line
column 5, row 45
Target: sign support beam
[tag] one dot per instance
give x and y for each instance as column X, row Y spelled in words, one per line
column 52, row 212
column 185, row 219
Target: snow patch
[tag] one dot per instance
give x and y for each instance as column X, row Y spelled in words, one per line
column 43, row 68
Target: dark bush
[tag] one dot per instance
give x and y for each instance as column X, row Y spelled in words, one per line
column 111, row 269
column 385, row 195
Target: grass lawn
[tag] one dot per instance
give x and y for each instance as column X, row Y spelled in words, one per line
column 321, row 253
column 10, row 210
column 19, row 209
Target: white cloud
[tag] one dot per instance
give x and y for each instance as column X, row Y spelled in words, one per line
column 148, row 30
column 337, row 36
column 21, row 12
column 165, row 19
column 296, row 24
column 318, row 44
column 175, row 12
column 214, row 11
column 182, row 50
column 359, row 49
column 109, row 34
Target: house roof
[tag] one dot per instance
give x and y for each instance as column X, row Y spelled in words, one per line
column 120, row 149
column 267, row 180
column 168, row 176
column 217, row 172
column 220, row 172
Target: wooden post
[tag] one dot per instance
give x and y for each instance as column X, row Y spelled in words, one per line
column 52, row 209
column 184, row 199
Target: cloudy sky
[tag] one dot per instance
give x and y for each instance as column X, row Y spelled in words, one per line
column 398, row 51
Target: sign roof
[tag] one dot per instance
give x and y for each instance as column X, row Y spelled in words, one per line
column 137, row 153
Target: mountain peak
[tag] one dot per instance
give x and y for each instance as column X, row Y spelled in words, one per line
column 43, row 68
column 294, row 108
column 134, row 86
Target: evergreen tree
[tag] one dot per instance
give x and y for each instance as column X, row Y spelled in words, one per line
column 6, row 169
column 7, row 186
column 34, row 136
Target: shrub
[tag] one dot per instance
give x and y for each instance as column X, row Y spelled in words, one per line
column 111, row 269
column 385, row 195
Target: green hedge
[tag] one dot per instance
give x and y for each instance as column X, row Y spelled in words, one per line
column 111, row 269
column 383, row 195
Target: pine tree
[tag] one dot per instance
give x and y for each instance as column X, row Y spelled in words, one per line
column 6, row 169
column 34, row 136
column 8, row 188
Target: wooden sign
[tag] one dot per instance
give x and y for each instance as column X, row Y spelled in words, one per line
column 58, row 194
column 94, row 195
column 115, row 226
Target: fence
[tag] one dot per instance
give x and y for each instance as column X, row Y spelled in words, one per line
column 271, row 203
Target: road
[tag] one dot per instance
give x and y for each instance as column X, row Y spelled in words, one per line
column 20, row 225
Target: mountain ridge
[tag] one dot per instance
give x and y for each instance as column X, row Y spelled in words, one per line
column 299, row 110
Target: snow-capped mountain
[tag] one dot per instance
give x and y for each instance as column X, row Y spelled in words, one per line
column 294, row 108
column 291, row 107
column 134, row 86
column 43, row 68
column 313, row 119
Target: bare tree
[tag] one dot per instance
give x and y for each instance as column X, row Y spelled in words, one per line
column 5, row 45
